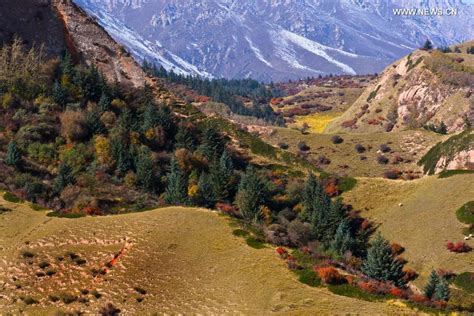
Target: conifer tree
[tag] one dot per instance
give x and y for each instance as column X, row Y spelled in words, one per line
column 442, row 129
column 212, row 144
column 104, row 102
column 442, row 290
column 164, row 118
column 336, row 215
column 67, row 66
column 221, row 175
column 145, row 175
column 13, row 156
column 343, row 240
column 150, row 117
column 93, row 122
column 206, row 196
column 59, row 94
column 430, row 287
column 317, row 207
column 381, row 264
column 177, row 185
column 251, row 195
column 63, row 178
column 184, row 139
column 428, row 45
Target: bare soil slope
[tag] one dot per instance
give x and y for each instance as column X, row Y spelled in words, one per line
column 175, row 260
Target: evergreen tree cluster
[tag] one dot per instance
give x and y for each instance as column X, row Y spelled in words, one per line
column 328, row 218
column 470, row 50
column 228, row 92
column 437, row 287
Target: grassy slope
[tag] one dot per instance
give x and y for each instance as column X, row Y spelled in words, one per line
column 425, row 222
column 409, row 144
column 187, row 260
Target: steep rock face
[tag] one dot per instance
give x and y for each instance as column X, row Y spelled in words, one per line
column 409, row 94
column 275, row 40
column 34, row 21
column 91, row 44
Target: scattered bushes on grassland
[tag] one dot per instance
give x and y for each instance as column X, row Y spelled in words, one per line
column 382, row 160
column 360, row 149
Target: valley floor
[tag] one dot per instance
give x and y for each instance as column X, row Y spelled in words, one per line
column 176, row 260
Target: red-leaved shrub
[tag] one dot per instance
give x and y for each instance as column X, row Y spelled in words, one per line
column 395, row 291
column 330, row 275
column 375, row 287
column 418, row 298
column 458, row 247
column 282, row 252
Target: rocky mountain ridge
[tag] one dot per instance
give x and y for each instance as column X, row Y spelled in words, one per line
column 276, row 40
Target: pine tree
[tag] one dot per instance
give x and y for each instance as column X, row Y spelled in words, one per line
column 184, row 139
column 430, row 287
column 336, row 215
column 381, row 264
column 428, row 45
column 63, row 178
column 213, row 144
column 67, row 66
column 221, row 175
column 343, row 240
column 442, row 129
column 92, row 84
column 251, row 195
column 121, row 155
column 93, row 122
column 13, row 156
column 177, row 185
column 206, row 196
column 145, row 175
column 442, row 290
column 317, row 208
column 104, row 102
column 150, row 117
column 164, row 118
column 59, row 94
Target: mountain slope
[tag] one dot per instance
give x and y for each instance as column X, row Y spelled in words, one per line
column 421, row 88
column 276, row 40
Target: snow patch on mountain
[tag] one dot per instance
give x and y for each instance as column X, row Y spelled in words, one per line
column 257, row 52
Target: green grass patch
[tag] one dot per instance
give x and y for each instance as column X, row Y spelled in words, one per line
column 465, row 281
column 37, row 207
column 465, row 213
column 240, row 233
column 462, row 142
column 254, row 242
column 65, row 215
column 10, row 197
column 355, row 292
column 304, row 259
column 347, row 184
column 308, row 277
column 450, row 173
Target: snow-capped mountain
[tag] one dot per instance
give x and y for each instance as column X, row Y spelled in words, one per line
column 277, row 39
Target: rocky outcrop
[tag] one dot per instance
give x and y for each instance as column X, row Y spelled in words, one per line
column 420, row 89
column 463, row 160
column 89, row 43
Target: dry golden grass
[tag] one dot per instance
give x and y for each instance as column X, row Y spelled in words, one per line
column 410, row 145
column 424, row 222
column 186, row 260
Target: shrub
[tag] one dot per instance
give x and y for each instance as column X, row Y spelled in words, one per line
column 360, row 149
column 68, row 298
column 74, row 125
column 283, row 145
column 458, row 247
column 410, row 274
column 29, row 300
column 375, row 287
column 397, row 249
column 419, row 298
column 255, row 243
column 330, row 275
column 385, row 148
column 282, row 252
column 336, row 139
column 43, row 264
column 382, row 160
column 465, row 213
column 27, row 254
column 392, row 174
column 308, row 277
column 109, row 310
column 395, row 291
column 10, row 197
column 303, row 147
column 140, row 290
column 299, row 232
